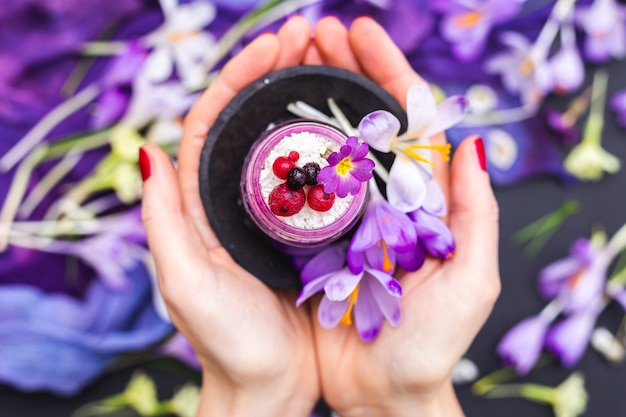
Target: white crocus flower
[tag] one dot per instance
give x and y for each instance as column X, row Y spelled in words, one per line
column 180, row 42
column 412, row 167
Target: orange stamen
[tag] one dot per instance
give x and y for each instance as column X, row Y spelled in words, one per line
column 179, row 36
column 352, row 298
column 468, row 19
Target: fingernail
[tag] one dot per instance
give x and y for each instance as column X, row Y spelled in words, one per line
column 480, row 152
column 144, row 164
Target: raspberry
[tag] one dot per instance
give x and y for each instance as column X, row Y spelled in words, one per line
column 320, row 200
column 311, row 169
column 285, row 202
column 294, row 156
column 296, row 178
column 281, row 167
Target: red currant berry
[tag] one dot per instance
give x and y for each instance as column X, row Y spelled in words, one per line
column 281, row 167
column 285, row 202
column 320, row 200
column 294, row 156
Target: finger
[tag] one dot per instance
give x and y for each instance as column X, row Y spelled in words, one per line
column 294, row 37
column 474, row 219
column 331, row 39
column 169, row 235
column 254, row 61
column 383, row 62
column 380, row 59
column 312, row 56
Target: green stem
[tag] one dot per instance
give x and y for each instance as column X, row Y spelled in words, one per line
column 488, row 382
column 595, row 122
column 103, row 48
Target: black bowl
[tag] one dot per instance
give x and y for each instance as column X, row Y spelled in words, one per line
column 245, row 118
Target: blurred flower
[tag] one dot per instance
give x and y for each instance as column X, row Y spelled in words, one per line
column 185, row 402
column 347, row 169
column 588, row 160
column 467, row 24
column 412, row 149
column 181, row 42
column 368, row 297
column 524, row 71
column 618, row 105
column 522, row 344
column 434, row 236
column 79, row 338
column 385, row 235
column 569, row 338
column 603, row 22
column 567, row 400
column 567, row 71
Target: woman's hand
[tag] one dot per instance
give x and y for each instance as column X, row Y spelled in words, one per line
column 406, row 370
column 255, row 347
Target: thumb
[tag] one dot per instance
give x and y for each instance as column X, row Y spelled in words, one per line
column 474, row 218
column 162, row 214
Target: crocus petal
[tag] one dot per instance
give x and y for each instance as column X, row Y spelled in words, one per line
column 421, row 109
column 329, row 260
column 380, row 258
column 396, row 228
column 569, row 339
column 312, row 287
column 522, row 344
column 159, row 65
column 341, row 284
column 435, row 202
column 391, row 285
column 368, row 233
column 368, row 318
column 378, row 129
column 411, row 261
column 555, row 275
column 406, row 190
column 449, row 112
column 388, row 304
column 330, row 312
column 586, row 288
column 356, row 261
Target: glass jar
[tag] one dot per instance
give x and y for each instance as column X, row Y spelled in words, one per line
column 313, row 141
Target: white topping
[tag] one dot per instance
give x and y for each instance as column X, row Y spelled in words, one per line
column 312, row 148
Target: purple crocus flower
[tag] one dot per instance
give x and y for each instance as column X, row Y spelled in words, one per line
column 347, row 169
column 566, row 66
column 577, row 279
column 522, row 344
column 368, row 297
column 384, row 237
column 380, row 129
column 522, row 73
column 569, row 338
column 618, row 105
column 434, row 236
column 467, row 24
column 603, row 22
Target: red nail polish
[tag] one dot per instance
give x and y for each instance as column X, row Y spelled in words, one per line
column 480, row 152
column 144, row 164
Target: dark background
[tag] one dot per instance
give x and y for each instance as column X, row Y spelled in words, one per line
column 601, row 204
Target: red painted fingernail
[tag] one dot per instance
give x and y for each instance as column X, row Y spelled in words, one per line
column 144, row 164
column 480, row 152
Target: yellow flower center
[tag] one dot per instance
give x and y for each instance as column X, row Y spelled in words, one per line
column 444, row 150
column 352, row 298
column 344, row 166
column 468, row 19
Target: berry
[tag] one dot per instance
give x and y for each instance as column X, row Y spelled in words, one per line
column 320, row 200
column 296, row 178
column 285, row 202
column 281, row 167
column 294, row 156
column 311, row 169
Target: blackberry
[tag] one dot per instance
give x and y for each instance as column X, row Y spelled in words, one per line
column 296, row 178
column 311, row 169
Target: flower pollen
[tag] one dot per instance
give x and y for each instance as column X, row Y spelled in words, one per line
column 444, row 150
column 352, row 299
column 344, row 166
column 387, row 264
column 468, row 19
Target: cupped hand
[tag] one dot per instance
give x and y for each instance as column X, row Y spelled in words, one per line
column 406, row 370
column 255, row 347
